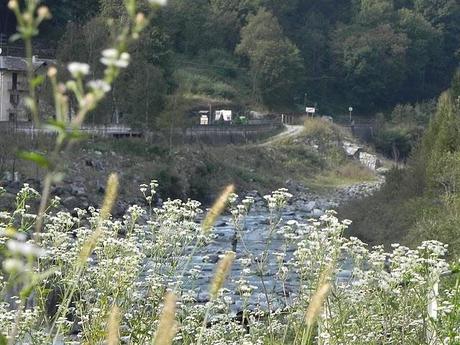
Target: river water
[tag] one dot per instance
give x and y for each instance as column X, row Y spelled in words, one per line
column 255, row 238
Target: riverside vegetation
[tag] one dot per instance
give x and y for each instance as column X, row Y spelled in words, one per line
column 88, row 278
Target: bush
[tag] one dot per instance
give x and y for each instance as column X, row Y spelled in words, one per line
column 397, row 142
column 197, row 83
column 322, row 132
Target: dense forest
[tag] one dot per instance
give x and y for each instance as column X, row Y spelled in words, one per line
column 267, row 54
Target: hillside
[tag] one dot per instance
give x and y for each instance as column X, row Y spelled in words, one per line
column 267, row 55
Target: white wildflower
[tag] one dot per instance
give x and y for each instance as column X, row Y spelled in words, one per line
column 112, row 57
column 78, row 69
column 25, row 249
column 13, row 265
column 99, row 86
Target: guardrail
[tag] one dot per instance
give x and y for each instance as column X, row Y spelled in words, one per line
column 231, row 134
column 211, row 134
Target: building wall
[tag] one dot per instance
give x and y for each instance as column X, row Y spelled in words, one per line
column 4, row 97
column 6, row 81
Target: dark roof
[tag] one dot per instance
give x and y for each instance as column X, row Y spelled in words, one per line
column 14, row 63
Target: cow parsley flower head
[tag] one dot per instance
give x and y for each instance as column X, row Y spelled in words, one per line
column 78, row 69
column 99, row 86
column 112, row 57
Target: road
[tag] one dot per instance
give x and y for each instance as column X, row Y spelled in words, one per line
column 289, row 132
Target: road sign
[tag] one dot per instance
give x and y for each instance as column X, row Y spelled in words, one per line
column 310, row 110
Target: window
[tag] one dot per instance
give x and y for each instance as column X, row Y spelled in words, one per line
column 15, row 81
column 14, row 98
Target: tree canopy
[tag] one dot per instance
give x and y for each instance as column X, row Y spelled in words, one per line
column 372, row 54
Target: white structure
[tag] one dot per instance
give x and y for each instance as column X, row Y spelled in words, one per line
column 225, row 115
column 204, row 120
column 14, row 87
column 310, row 111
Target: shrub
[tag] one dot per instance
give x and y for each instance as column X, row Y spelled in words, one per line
column 321, row 130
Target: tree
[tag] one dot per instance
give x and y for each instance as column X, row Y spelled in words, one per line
column 84, row 43
column 370, row 13
column 455, row 86
column 140, row 94
column 66, row 11
column 441, row 145
column 424, row 51
column 371, row 63
column 275, row 62
column 228, row 17
column 189, row 26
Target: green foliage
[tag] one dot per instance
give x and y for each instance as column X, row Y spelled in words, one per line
column 387, row 216
column 140, row 94
column 396, row 141
column 455, row 87
column 421, row 201
column 372, row 62
column 321, row 131
column 201, row 84
column 275, row 61
column 369, row 53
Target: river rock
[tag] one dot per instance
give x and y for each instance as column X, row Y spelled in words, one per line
column 316, row 213
column 369, row 160
column 77, row 190
column 310, row 206
column 71, row 202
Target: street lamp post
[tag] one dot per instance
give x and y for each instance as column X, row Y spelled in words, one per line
column 350, row 109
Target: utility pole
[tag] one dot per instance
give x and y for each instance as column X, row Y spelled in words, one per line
column 210, row 114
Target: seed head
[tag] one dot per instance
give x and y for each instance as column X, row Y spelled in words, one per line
column 222, row 271
column 168, row 325
column 113, row 326
column 110, row 196
column 217, row 208
column 316, row 304
column 44, row 12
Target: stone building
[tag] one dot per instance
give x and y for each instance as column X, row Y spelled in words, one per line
column 14, row 87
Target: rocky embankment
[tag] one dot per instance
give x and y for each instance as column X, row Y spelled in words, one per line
column 315, row 204
column 74, row 193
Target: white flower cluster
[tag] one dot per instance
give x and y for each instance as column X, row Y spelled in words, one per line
column 278, row 199
column 78, row 69
column 113, row 57
column 378, row 297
